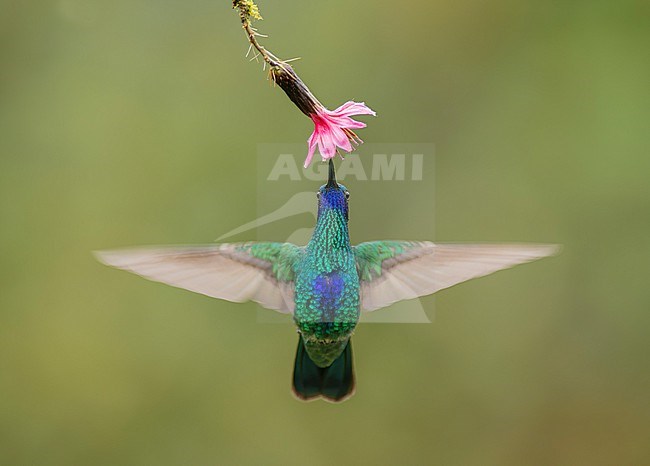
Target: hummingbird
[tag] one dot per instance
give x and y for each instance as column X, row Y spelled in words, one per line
column 324, row 285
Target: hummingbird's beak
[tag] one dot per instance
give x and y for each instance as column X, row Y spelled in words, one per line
column 331, row 181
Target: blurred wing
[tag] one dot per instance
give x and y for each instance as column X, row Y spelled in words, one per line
column 391, row 271
column 260, row 272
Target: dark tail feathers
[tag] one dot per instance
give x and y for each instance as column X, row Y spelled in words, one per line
column 334, row 383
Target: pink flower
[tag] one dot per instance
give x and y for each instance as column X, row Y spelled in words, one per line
column 333, row 128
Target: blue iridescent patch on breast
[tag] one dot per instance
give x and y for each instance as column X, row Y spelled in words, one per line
column 328, row 290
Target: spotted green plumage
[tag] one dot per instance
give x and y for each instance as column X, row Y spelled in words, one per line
column 327, row 284
column 325, row 278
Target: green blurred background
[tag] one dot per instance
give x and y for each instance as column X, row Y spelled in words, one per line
column 137, row 122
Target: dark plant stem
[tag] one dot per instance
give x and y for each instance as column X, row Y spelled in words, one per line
column 280, row 72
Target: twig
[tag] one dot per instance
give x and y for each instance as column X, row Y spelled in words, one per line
column 280, row 72
column 248, row 11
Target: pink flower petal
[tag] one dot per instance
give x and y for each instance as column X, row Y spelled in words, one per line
column 346, row 122
column 312, row 148
column 327, row 147
column 329, row 131
column 341, row 139
column 353, row 108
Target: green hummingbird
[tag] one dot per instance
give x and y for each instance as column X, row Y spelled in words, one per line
column 324, row 285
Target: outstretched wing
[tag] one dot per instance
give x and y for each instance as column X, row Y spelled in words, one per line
column 391, row 271
column 260, row 272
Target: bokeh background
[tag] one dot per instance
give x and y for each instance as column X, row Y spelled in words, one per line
column 137, row 122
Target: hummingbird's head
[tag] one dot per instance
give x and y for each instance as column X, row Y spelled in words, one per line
column 333, row 196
